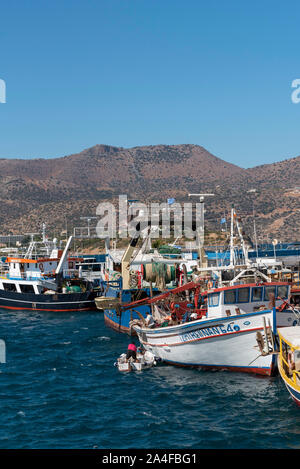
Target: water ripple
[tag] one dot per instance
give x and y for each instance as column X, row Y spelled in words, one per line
column 59, row 389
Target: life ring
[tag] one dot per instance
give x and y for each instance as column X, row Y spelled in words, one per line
column 41, row 266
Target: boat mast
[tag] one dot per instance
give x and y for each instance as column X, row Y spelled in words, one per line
column 245, row 250
column 231, row 238
column 126, row 258
column 234, row 217
column 32, row 245
column 63, row 257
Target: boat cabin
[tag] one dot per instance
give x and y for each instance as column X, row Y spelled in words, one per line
column 289, row 360
column 30, row 269
column 30, row 275
column 245, row 298
column 90, row 267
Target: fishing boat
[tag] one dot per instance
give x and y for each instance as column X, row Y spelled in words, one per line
column 133, row 275
column 91, row 268
column 289, row 360
column 136, row 284
column 144, row 360
column 248, row 284
column 222, row 335
column 45, row 284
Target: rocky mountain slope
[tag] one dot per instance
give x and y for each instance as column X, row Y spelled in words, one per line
column 61, row 190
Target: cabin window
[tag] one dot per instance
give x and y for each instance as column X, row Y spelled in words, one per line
column 242, row 295
column 257, row 294
column 26, row 288
column 268, row 290
column 213, row 299
column 229, row 297
column 282, row 291
column 9, row 287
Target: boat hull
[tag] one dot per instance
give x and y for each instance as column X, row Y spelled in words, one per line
column 221, row 343
column 120, row 321
column 118, row 318
column 294, row 393
column 57, row 302
column 290, row 386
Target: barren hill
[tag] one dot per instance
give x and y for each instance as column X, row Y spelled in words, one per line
column 59, row 189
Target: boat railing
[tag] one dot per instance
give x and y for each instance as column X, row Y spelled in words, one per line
column 291, row 277
column 67, row 273
column 20, row 276
column 70, row 273
column 292, row 374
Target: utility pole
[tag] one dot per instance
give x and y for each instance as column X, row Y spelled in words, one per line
column 253, row 191
column 200, row 231
column 89, row 219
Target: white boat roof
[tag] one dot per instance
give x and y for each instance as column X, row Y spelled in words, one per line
column 116, row 255
column 290, row 335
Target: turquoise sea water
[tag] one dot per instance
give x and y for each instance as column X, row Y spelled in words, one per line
column 60, row 389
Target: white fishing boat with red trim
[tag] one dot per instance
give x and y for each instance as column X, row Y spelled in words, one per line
column 235, row 330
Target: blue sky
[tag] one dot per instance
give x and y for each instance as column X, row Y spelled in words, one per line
column 146, row 72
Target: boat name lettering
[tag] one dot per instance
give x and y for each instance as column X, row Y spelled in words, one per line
column 209, row 331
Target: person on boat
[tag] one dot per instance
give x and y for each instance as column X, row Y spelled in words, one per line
column 149, row 320
column 131, row 351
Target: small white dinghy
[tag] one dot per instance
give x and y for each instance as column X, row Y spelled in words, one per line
column 144, row 360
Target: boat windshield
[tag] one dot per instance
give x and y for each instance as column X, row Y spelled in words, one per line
column 253, row 294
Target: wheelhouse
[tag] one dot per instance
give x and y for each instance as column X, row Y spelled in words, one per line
column 238, row 299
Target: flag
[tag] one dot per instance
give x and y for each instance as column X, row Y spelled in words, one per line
column 171, row 201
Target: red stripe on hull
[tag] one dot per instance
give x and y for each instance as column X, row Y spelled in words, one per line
column 296, row 400
column 252, row 370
